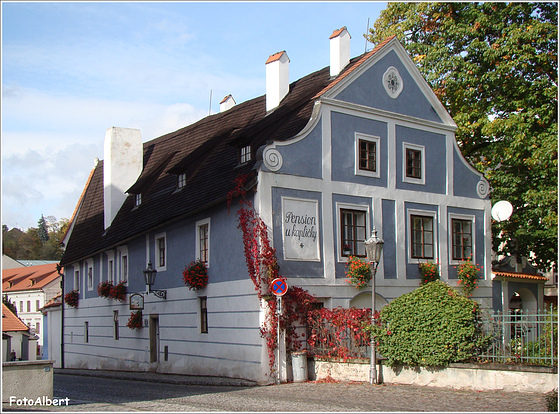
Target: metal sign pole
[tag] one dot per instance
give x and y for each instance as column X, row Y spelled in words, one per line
column 279, row 311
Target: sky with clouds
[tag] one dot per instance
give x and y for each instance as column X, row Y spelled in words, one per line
column 72, row 70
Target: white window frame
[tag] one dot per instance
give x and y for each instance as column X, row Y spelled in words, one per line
column 426, row 213
column 347, row 206
column 181, row 181
column 90, row 275
column 77, row 278
column 137, row 199
column 121, row 276
column 370, row 138
column 245, row 154
column 415, row 147
column 110, row 266
column 198, row 226
column 466, row 217
column 159, row 237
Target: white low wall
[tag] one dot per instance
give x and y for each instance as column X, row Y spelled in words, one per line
column 460, row 376
column 27, row 379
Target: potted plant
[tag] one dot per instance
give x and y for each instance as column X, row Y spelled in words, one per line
column 104, row 289
column 467, row 272
column 195, row 275
column 135, row 320
column 429, row 272
column 71, row 298
column 346, row 250
column 358, row 272
column 119, row 291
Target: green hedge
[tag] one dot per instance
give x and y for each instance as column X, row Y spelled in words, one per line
column 431, row 326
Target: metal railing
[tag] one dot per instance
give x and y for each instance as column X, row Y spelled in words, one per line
column 521, row 337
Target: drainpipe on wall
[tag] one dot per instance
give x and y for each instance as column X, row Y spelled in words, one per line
column 58, row 268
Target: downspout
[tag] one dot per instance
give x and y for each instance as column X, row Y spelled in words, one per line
column 58, row 269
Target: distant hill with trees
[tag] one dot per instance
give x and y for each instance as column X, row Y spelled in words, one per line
column 37, row 243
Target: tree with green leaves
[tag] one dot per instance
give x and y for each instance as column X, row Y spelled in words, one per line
column 42, row 230
column 495, row 68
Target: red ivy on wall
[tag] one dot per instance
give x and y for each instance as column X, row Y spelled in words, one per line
column 263, row 268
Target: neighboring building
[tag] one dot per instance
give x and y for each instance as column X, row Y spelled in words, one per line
column 52, row 330
column 360, row 144
column 9, row 263
column 29, row 288
column 17, row 342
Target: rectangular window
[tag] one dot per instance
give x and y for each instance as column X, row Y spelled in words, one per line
column 86, row 332
column 161, row 251
column 413, row 163
column 245, row 154
column 181, row 180
column 37, row 305
column 38, row 328
column 21, row 306
column 90, row 277
column 138, row 199
column 203, row 315
column 111, row 270
column 77, row 280
column 124, row 269
column 202, row 241
column 116, row 324
column 422, row 237
column 462, row 239
column 368, row 155
column 28, row 306
column 353, row 232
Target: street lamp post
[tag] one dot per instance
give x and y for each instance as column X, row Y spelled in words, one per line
column 374, row 247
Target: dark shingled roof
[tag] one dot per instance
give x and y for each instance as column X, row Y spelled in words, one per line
column 207, row 151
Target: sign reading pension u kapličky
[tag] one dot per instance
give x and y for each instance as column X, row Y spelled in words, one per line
column 300, row 229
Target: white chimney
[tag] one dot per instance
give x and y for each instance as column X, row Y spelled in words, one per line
column 121, row 168
column 277, row 79
column 227, row 102
column 340, row 50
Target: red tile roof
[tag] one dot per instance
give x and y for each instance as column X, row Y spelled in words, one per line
column 28, row 278
column 11, row 322
column 517, row 275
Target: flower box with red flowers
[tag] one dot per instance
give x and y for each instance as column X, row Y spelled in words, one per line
column 195, row 275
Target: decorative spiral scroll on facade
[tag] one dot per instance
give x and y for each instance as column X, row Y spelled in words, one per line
column 272, row 159
column 482, row 188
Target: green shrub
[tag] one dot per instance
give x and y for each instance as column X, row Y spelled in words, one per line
column 431, row 326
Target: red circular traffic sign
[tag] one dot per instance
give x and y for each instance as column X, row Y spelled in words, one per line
column 279, row 287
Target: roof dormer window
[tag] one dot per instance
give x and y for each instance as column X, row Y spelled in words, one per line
column 181, row 180
column 138, row 199
column 244, row 154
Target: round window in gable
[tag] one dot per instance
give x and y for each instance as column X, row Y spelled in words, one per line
column 392, row 82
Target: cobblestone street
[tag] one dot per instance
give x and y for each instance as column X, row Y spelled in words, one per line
column 99, row 393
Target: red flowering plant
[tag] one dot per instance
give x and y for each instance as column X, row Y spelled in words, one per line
column 467, row 272
column 135, row 320
column 262, row 266
column 118, row 291
column 195, row 275
column 104, row 289
column 71, row 298
column 429, row 272
column 358, row 272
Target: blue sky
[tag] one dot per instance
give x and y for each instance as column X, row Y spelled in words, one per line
column 72, row 70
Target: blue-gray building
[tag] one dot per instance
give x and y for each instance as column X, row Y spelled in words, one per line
column 360, row 144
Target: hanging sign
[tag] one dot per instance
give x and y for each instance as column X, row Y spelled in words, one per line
column 136, row 302
column 300, row 229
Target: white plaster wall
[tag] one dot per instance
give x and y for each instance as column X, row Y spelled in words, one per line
column 232, row 348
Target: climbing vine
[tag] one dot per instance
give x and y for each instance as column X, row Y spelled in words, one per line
column 263, row 268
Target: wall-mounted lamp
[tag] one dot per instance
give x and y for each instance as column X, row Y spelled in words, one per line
column 150, row 277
